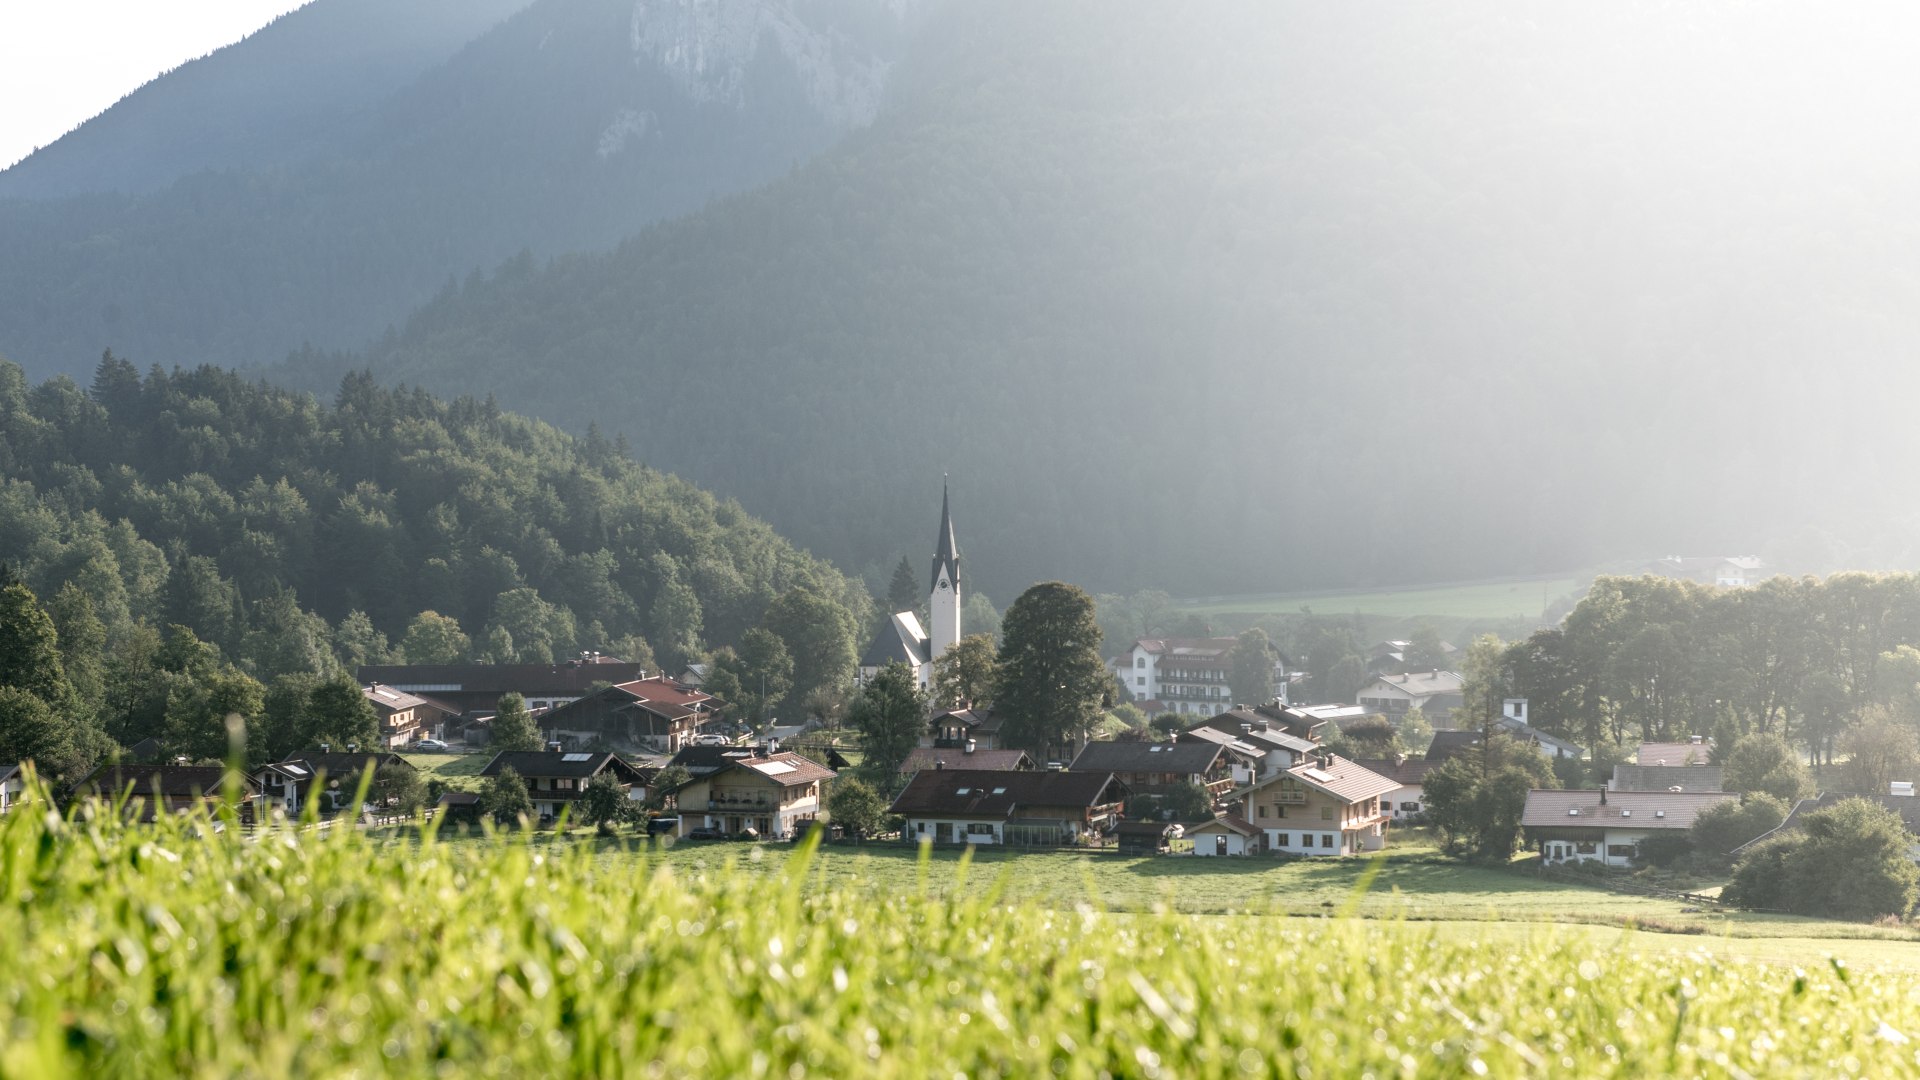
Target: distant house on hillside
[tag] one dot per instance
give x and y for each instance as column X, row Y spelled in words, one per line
column 1726, row 571
column 955, row 729
column 1184, row 675
column 1608, row 826
column 1435, row 693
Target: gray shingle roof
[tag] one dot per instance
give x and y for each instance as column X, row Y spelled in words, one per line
column 1622, row 809
column 990, row 794
column 1187, row 757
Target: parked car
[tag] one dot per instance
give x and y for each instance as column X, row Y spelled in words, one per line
column 430, row 746
column 707, row 834
column 710, row 740
column 663, row 825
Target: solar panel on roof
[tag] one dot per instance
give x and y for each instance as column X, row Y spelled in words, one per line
column 576, row 757
column 775, row 768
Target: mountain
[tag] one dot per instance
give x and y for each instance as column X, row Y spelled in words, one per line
column 316, row 182
column 1274, row 297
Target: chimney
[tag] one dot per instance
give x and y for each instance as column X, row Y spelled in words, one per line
column 326, row 748
column 939, row 764
column 353, row 748
column 1696, row 739
column 970, row 745
column 553, row 747
column 1603, row 796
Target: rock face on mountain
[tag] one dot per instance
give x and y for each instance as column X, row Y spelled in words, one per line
column 319, row 180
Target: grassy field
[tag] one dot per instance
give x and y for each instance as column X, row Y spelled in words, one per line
column 461, row 771
column 1518, row 599
column 175, row 950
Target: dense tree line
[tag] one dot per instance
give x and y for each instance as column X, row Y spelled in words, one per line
column 197, row 545
column 1816, row 662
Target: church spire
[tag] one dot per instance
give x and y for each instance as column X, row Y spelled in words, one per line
column 945, row 554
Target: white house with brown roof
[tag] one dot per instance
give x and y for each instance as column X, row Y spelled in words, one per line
column 1409, row 799
column 1228, row 834
column 1325, row 805
column 1608, row 826
column 1432, row 692
column 976, row 806
column 775, row 795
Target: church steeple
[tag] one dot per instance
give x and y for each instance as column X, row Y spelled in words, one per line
column 943, row 603
column 945, row 554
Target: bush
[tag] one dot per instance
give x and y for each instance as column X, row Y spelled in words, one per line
column 1664, row 849
column 1847, row 861
column 1721, row 828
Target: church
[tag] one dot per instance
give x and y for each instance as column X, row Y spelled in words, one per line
column 905, row 639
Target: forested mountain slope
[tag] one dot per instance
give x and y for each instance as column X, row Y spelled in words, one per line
column 1265, row 296
column 304, row 186
column 301, row 537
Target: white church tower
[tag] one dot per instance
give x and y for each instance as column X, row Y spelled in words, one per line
column 943, row 605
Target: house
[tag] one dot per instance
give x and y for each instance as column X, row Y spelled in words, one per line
column 1409, row 800
column 1228, row 834
column 471, row 688
column 458, row 806
column 1184, row 675
column 1607, row 826
column 1451, row 744
column 286, row 785
column 1435, row 693
column 656, row 713
column 1726, row 571
column 173, row 789
column 556, row 779
column 1281, row 748
column 1143, row 837
column 928, row 757
column 1695, row 751
column 1040, row 809
column 777, row 795
column 1154, row 768
column 1262, row 754
column 13, row 786
column 953, row 729
column 1390, row 657
column 401, row 714
column 1325, row 805
column 1666, row 778
column 1301, row 722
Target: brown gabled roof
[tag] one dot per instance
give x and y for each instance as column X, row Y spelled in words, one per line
column 987, row 793
column 1345, row 780
column 785, row 768
column 1622, row 809
column 1232, row 822
column 386, row 697
column 925, row 757
column 573, row 678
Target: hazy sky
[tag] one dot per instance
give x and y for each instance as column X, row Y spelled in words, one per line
column 63, row 61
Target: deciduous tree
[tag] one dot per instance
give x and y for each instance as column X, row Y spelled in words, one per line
column 965, row 674
column 1052, row 681
column 891, row 715
column 513, row 726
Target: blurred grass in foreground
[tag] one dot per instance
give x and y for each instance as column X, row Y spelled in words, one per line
column 175, row 949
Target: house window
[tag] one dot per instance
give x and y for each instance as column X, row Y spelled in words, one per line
column 1586, row 847
column 1139, row 661
column 1281, row 840
column 980, row 828
column 1263, row 811
column 1412, row 807
column 1326, row 813
column 1621, row 851
column 1326, row 840
column 1139, row 680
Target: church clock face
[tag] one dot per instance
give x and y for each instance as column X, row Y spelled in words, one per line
column 943, row 584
